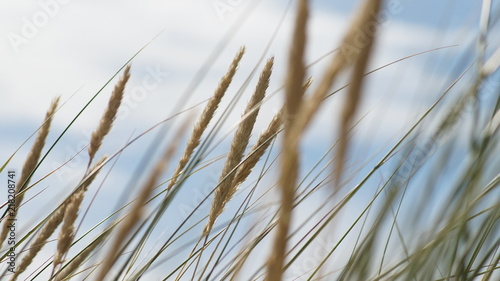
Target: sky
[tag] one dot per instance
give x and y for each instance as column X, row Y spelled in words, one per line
column 67, row 48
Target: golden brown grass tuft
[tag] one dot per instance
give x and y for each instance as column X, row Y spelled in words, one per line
column 31, row 162
column 256, row 152
column 39, row 241
column 226, row 188
column 294, row 91
column 55, row 219
column 367, row 17
column 206, row 116
column 80, row 258
column 109, row 115
column 350, row 53
column 263, row 142
column 297, row 71
column 67, row 233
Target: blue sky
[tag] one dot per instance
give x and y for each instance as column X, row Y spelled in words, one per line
column 51, row 48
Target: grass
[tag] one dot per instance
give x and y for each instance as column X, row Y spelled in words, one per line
column 417, row 221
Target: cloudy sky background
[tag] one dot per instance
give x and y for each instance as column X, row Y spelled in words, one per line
column 71, row 49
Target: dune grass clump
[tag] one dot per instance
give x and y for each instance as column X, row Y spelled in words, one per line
column 410, row 211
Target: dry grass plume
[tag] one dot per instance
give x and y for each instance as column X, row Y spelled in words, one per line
column 294, row 91
column 225, row 188
column 109, row 115
column 31, row 162
column 67, row 233
column 206, row 116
